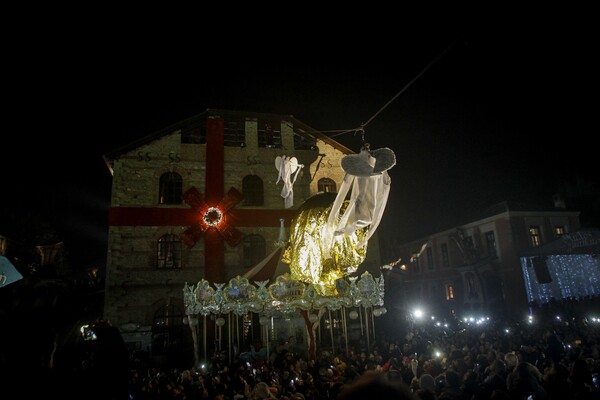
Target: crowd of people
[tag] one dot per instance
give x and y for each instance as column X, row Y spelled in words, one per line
column 550, row 359
column 541, row 361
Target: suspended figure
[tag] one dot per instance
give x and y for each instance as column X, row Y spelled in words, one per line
column 329, row 236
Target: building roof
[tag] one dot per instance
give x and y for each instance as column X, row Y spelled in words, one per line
column 460, row 219
column 469, row 216
column 302, row 129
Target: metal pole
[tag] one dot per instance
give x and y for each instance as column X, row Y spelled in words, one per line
column 331, row 331
column 318, row 338
column 345, row 328
column 361, row 320
column 266, row 329
column 204, row 334
column 272, row 327
column 237, row 333
column 373, row 322
column 229, row 335
column 368, row 339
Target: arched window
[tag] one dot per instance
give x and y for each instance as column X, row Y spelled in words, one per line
column 254, row 250
column 326, row 185
column 170, row 188
column 252, row 188
column 168, row 253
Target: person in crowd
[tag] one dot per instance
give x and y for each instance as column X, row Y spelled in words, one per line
column 108, row 374
column 511, row 359
column 580, row 382
column 426, row 390
column 261, row 391
column 451, row 387
column 556, row 382
column 525, row 380
column 495, row 379
column 375, row 385
column 554, row 346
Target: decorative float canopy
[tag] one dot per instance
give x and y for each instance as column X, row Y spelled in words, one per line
column 284, row 296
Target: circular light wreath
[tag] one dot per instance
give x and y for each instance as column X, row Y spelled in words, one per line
column 213, row 216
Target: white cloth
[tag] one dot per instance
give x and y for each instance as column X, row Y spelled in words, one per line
column 286, row 167
column 370, row 192
column 367, row 203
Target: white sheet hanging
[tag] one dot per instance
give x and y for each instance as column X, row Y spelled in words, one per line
column 370, row 185
column 286, row 167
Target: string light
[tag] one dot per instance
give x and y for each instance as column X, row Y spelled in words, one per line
column 574, row 275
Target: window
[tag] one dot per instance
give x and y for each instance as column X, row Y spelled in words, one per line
column 301, row 141
column 415, row 261
column 252, row 188
column 170, row 188
column 326, row 185
column 169, row 251
column 254, row 250
column 469, row 244
column 449, row 292
column 234, row 134
column 429, row 258
column 535, row 236
column 269, row 134
column 559, row 231
column 490, row 240
column 445, row 256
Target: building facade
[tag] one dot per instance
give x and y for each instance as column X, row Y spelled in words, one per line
column 221, row 166
column 474, row 269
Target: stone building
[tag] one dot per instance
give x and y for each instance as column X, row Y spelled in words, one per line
column 475, row 268
column 220, row 166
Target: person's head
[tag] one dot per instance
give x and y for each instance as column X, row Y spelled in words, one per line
column 497, row 367
column 374, row 385
column 511, row 359
column 262, row 391
column 426, row 382
column 452, row 379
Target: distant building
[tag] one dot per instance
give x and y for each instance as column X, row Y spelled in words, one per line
column 476, row 268
column 163, row 184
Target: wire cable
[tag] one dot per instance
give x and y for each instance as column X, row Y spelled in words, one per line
column 361, row 128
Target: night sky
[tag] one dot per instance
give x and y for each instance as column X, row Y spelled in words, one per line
column 483, row 116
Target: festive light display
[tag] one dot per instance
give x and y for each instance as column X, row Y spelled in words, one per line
column 572, row 275
column 213, row 216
